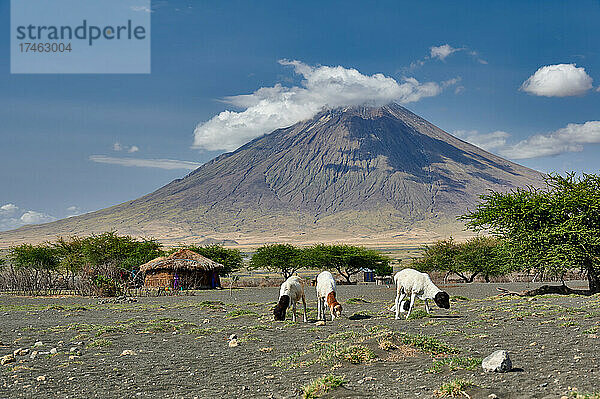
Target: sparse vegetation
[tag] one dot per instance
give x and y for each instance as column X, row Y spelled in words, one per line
column 476, row 256
column 454, row 388
column 357, row 354
column 322, row 385
column 551, row 231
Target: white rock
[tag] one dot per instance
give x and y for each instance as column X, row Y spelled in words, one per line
column 232, row 336
column 7, row 359
column 320, row 323
column 21, row 352
column 233, row 343
column 33, row 355
column 41, row 378
column 127, row 352
column 498, row 361
column 53, row 351
column 38, row 343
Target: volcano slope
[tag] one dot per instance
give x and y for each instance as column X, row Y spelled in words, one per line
column 348, row 172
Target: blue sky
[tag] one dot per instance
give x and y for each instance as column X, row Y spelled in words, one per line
column 58, row 132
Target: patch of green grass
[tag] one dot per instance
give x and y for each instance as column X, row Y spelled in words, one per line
column 575, row 394
column 356, row 300
column 454, row 388
column 454, row 363
column 100, row 343
column 427, row 344
column 343, row 335
column 320, row 386
column 591, row 330
column 569, row 324
column 357, row 354
column 418, row 314
column 208, row 304
column 234, row 314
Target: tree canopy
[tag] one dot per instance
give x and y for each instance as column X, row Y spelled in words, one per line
column 477, row 256
column 280, row 258
column 550, row 230
column 347, row 260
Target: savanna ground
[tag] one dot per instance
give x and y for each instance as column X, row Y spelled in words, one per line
column 177, row 347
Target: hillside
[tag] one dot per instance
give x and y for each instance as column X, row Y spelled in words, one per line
column 357, row 173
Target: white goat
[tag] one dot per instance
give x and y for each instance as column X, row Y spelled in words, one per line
column 326, row 292
column 291, row 291
column 410, row 281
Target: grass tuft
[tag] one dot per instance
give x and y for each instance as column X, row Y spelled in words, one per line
column 357, row 354
column 356, row 300
column 454, row 388
column 320, row 386
column 234, row 314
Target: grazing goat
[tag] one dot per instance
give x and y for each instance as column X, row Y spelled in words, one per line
column 410, row 281
column 326, row 292
column 291, row 292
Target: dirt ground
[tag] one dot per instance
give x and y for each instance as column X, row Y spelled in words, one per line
column 177, row 347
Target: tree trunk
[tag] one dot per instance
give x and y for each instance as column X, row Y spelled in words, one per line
column 593, row 279
column 546, row 289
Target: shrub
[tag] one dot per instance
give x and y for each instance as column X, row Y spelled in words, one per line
column 322, row 385
column 478, row 255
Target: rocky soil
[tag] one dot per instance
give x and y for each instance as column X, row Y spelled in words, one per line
column 182, row 347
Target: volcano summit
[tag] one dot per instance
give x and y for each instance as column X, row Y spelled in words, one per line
column 347, row 172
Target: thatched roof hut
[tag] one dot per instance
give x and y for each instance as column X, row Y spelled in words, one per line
column 183, row 269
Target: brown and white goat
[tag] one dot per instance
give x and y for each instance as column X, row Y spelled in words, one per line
column 326, row 292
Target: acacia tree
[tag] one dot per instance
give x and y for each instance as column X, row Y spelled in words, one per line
column 347, row 260
column 280, row 258
column 551, row 230
column 41, row 260
column 477, row 256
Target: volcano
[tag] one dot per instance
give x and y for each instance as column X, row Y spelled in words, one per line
column 347, row 172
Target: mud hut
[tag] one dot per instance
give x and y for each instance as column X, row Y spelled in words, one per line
column 183, row 269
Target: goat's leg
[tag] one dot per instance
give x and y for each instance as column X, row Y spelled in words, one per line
column 427, row 306
column 318, row 308
column 399, row 297
column 304, row 306
column 412, row 302
column 294, row 312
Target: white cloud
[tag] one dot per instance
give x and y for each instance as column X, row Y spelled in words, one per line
column 487, row 141
column 269, row 108
column 74, row 211
column 33, row 217
column 120, row 147
column 560, row 80
column 571, row 138
column 568, row 139
column 8, row 209
column 443, row 51
column 169, row 164
column 12, row 217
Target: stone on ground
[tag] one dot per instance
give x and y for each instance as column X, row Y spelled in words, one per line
column 498, row 362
